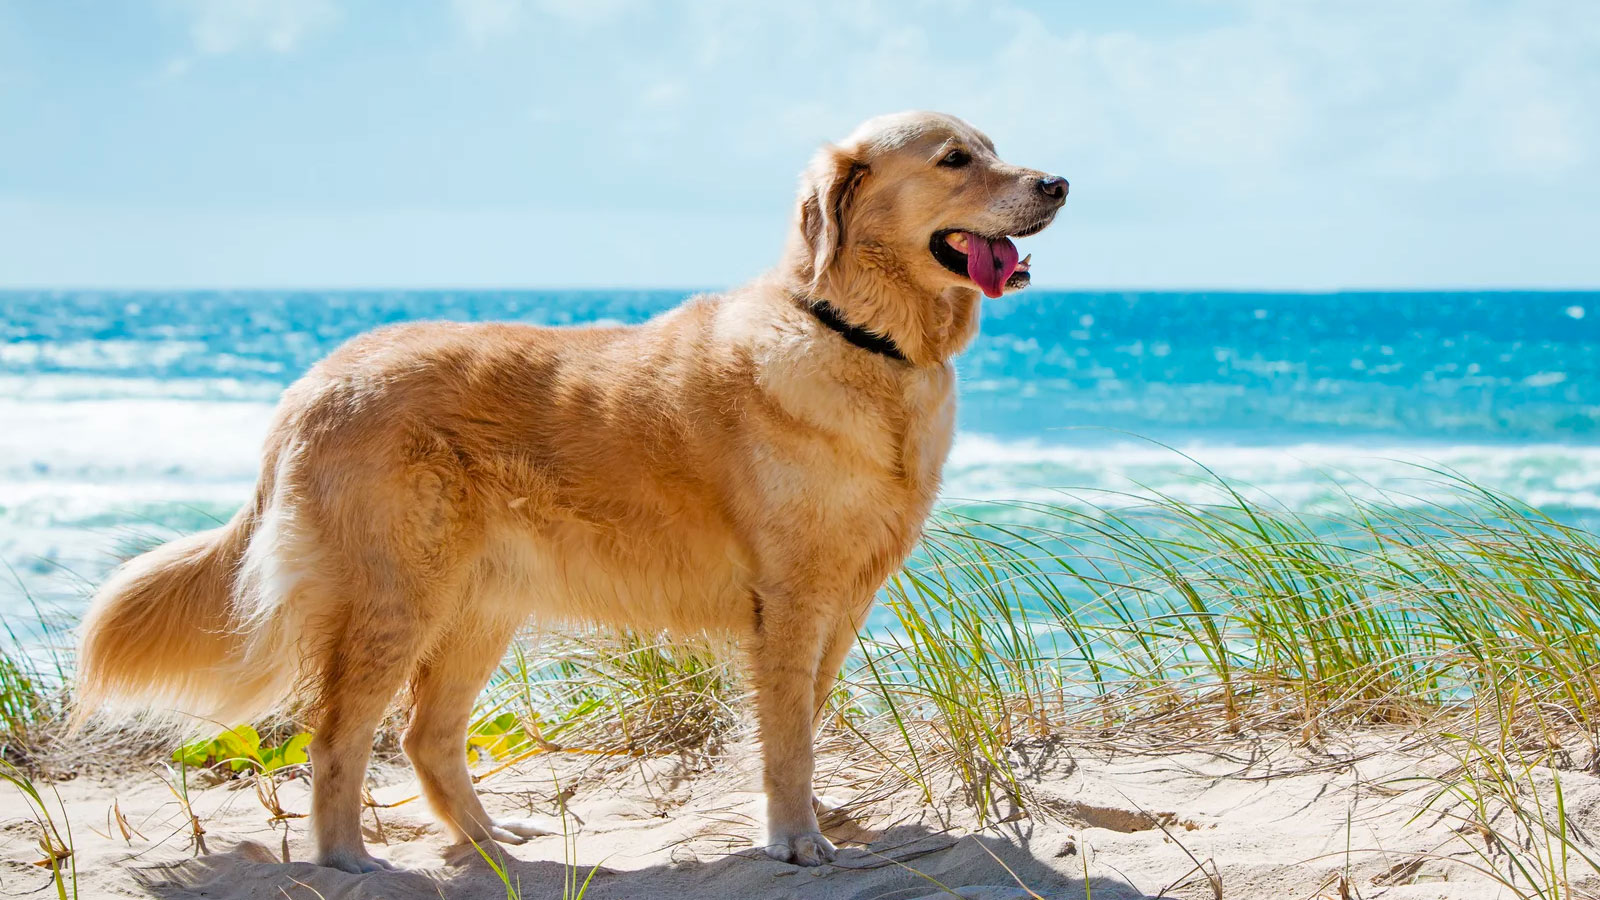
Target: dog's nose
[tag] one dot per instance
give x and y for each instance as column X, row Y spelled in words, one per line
column 1054, row 187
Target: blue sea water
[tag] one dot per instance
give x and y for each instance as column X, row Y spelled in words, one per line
column 126, row 418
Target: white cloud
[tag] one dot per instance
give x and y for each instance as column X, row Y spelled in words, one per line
column 218, row 27
column 1351, row 139
column 1419, row 90
column 484, row 20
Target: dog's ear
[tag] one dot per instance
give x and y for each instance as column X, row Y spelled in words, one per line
column 828, row 192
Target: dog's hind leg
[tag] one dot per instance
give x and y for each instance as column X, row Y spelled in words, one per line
column 363, row 666
column 444, row 691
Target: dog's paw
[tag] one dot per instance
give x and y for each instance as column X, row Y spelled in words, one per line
column 356, row 862
column 517, row 831
column 807, row 849
column 823, row 803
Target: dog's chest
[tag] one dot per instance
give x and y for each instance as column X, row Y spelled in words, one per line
column 871, row 462
column 923, row 443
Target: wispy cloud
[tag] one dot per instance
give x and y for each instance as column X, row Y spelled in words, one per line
column 1416, row 90
column 486, row 20
column 219, row 27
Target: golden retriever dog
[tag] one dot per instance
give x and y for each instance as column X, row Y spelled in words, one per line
column 757, row 463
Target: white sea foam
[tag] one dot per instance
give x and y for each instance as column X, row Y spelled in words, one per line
column 125, row 354
column 106, row 441
column 1301, row 476
column 63, row 387
column 82, row 481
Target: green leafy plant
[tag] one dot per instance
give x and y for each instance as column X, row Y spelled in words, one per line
column 241, row 748
column 499, row 737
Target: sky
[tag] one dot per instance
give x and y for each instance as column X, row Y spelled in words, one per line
column 1245, row 144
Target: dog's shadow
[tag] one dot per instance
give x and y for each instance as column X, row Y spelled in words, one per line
column 905, row 862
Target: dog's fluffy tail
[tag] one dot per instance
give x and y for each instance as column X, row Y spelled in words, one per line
column 169, row 632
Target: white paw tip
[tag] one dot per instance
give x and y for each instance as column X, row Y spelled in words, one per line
column 802, row 850
column 356, row 864
column 522, row 828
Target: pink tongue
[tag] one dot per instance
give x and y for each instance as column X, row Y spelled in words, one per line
column 990, row 263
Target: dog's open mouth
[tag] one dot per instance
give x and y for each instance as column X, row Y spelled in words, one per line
column 991, row 262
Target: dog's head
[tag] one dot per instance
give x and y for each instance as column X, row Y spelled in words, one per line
column 907, row 219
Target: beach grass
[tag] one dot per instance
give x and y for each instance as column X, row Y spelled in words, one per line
column 1197, row 622
column 53, row 831
column 1170, row 623
column 1147, row 619
column 34, row 698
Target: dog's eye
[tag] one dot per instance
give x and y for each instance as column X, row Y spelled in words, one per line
column 955, row 159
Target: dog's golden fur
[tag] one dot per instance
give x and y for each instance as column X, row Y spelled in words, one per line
column 731, row 465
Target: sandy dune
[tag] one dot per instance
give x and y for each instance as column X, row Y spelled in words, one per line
column 1269, row 820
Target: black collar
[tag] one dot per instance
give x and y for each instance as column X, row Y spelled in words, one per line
column 830, row 316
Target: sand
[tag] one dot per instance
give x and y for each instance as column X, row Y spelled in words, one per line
column 1264, row 818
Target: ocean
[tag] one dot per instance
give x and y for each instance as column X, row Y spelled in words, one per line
column 130, row 417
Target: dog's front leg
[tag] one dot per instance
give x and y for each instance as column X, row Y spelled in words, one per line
column 785, row 654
